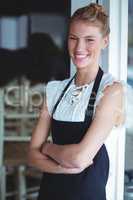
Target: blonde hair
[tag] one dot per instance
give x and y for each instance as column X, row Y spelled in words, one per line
column 94, row 14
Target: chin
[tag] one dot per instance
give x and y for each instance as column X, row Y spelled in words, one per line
column 81, row 66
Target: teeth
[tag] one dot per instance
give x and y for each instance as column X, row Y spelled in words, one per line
column 80, row 56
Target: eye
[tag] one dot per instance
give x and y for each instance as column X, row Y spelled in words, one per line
column 72, row 38
column 89, row 40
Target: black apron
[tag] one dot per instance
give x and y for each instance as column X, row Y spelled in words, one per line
column 90, row 183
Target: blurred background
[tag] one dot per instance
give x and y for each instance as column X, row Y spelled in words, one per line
column 33, row 51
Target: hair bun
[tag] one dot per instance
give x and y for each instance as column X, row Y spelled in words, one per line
column 93, row 13
column 97, row 8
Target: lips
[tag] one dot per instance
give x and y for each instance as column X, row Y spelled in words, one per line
column 81, row 60
column 80, row 57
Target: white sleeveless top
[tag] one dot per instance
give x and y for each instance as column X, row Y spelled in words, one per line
column 71, row 107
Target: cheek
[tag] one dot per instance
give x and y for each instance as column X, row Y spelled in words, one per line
column 71, row 46
column 95, row 47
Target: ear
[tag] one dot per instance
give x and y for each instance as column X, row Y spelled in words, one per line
column 105, row 41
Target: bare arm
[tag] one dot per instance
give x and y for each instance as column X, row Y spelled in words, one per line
column 66, row 155
column 39, row 136
column 46, row 164
column 107, row 113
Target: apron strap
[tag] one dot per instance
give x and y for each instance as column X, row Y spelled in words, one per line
column 90, row 107
column 60, row 97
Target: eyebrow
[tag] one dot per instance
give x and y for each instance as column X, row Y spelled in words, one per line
column 86, row 37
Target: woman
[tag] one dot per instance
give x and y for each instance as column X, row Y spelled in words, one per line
column 76, row 164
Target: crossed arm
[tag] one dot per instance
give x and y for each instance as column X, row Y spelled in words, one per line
column 40, row 160
column 109, row 112
column 73, row 158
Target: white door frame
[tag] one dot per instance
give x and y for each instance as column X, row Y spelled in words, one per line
column 118, row 67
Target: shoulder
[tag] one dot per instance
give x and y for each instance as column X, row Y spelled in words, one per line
column 56, row 84
column 111, row 94
column 116, row 88
column 113, row 98
column 111, row 87
column 110, row 103
column 55, row 87
column 110, row 84
column 107, row 79
column 52, row 92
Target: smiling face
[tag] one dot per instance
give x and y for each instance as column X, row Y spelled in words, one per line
column 85, row 42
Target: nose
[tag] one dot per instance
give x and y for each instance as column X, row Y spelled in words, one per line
column 80, row 46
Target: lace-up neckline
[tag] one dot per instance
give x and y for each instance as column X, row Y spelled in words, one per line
column 75, row 93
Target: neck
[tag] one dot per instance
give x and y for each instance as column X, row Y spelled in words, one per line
column 85, row 77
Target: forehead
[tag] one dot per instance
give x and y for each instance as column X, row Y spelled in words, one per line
column 81, row 28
